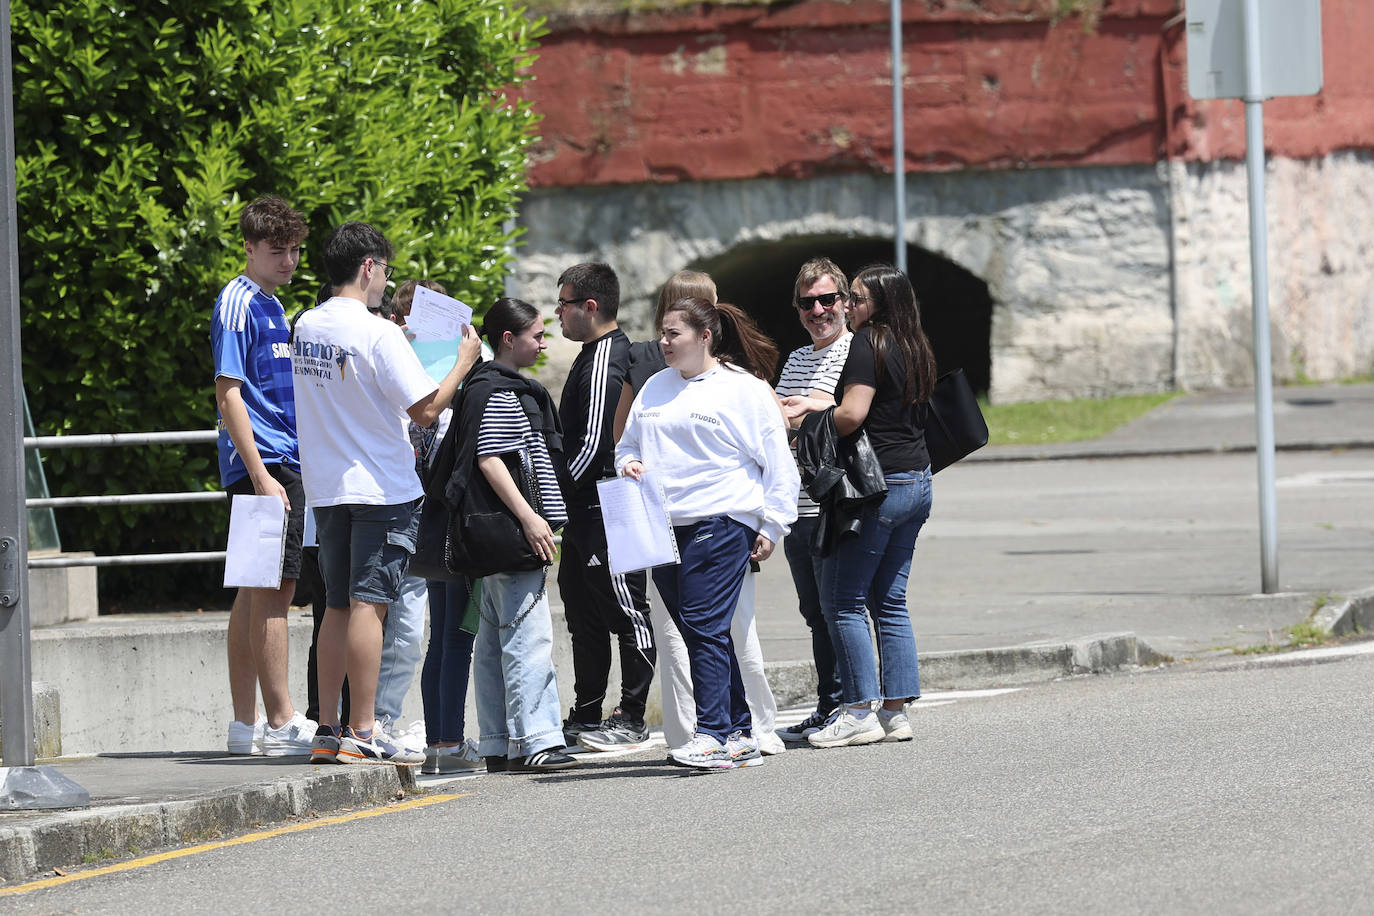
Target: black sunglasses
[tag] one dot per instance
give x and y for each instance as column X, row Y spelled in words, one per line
column 806, row 303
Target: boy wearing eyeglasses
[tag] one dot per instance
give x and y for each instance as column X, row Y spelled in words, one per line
column 358, row 382
column 812, row 372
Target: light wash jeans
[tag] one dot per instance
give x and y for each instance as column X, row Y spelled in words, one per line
column 518, row 711
column 402, row 648
column 869, row 571
column 675, row 678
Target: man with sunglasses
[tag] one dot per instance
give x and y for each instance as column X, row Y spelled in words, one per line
column 813, row 371
column 357, row 381
column 595, row 603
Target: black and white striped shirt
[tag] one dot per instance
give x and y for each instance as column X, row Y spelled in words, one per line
column 806, row 370
column 505, row 428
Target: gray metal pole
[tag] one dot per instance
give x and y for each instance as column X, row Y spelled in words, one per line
column 16, row 700
column 22, row 785
column 898, row 142
column 1259, row 285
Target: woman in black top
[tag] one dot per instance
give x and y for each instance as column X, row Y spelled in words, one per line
column 883, row 389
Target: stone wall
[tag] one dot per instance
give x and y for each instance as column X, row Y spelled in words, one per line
column 1104, row 280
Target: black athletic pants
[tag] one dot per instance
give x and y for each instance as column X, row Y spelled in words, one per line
column 597, row 604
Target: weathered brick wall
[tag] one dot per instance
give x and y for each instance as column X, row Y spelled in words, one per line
column 803, row 89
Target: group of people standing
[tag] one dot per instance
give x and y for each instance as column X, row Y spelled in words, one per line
column 331, row 414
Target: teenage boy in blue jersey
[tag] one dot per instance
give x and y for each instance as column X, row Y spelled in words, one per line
column 249, row 338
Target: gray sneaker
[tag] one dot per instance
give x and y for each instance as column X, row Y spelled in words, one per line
column 847, row 729
column 619, row 731
column 896, row 726
column 744, row 752
column 572, row 729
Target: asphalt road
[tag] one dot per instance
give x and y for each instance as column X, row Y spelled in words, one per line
column 1235, row 786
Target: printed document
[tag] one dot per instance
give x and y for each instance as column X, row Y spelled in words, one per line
column 257, row 542
column 639, row 533
column 437, row 322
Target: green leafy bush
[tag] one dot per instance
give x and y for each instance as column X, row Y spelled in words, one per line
column 144, row 126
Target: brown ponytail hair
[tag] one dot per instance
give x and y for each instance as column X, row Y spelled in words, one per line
column 735, row 338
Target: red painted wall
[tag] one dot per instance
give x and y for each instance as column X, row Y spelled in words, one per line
column 801, row 89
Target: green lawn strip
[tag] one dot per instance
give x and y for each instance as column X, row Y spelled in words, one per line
column 1037, row 422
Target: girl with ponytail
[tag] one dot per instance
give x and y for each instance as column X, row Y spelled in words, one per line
column 708, row 427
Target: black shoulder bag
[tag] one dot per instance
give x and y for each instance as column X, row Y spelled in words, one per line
column 954, row 425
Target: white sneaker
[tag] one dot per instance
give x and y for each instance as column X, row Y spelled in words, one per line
column 294, row 739
column 770, row 743
column 896, row 726
column 703, row 752
column 461, row 758
column 847, row 729
column 411, row 738
column 744, row 752
column 245, row 739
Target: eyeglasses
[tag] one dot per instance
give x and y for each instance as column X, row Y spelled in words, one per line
column 806, row 303
column 564, row 303
column 387, row 268
column 855, row 297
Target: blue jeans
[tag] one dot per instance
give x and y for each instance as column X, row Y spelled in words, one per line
column 518, row 712
column 806, row 576
column 869, row 571
column 448, row 661
column 700, row 593
column 401, row 649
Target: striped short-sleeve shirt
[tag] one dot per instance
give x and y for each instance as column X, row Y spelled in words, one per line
column 806, row 370
column 505, row 428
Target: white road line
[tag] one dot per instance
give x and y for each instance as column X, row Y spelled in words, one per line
column 1347, row 651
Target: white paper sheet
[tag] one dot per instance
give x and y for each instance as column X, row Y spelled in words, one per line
column 436, row 317
column 639, row 533
column 437, row 322
column 257, row 542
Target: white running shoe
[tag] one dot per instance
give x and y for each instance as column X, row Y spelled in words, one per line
column 744, row 752
column 461, row 758
column 703, row 752
column 294, row 739
column 847, row 729
column 769, row 743
column 896, row 726
column 245, row 739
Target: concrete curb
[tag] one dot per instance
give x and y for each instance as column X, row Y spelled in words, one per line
column 794, row 683
column 1015, row 453
column 1352, row 614
column 68, row 839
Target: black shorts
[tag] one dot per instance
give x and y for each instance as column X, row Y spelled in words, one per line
column 290, row 479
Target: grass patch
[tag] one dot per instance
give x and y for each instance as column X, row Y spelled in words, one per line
column 1303, row 635
column 1038, row 422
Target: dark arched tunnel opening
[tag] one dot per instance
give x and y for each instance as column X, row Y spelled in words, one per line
column 956, row 307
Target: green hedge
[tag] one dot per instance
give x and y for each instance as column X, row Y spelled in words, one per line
column 143, row 127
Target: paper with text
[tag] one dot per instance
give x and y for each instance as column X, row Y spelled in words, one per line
column 639, row 532
column 437, row 322
column 257, row 542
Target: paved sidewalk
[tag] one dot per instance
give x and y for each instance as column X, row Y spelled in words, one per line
column 1039, row 562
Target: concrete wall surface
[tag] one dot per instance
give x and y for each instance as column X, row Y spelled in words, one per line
column 1106, row 280
column 141, row 683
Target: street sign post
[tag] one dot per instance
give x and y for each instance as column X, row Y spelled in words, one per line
column 22, row 785
column 1253, row 50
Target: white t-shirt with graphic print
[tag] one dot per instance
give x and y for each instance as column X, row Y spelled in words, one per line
column 355, row 375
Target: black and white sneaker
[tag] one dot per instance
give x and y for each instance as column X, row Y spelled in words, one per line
column 541, row 761
column 617, row 732
column 572, row 729
column 797, row 734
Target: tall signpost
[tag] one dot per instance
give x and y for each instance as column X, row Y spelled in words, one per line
column 22, row 785
column 1255, row 50
column 898, row 143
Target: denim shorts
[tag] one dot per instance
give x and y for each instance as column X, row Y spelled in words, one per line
column 365, row 550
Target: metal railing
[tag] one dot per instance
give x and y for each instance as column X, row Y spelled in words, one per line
column 112, row 440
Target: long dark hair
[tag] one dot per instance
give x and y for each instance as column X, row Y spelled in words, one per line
column 512, row 315
column 896, row 322
column 735, row 338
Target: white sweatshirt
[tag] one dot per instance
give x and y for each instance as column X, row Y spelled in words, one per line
column 718, row 443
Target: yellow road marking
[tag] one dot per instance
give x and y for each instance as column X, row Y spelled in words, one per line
column 207, row 847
